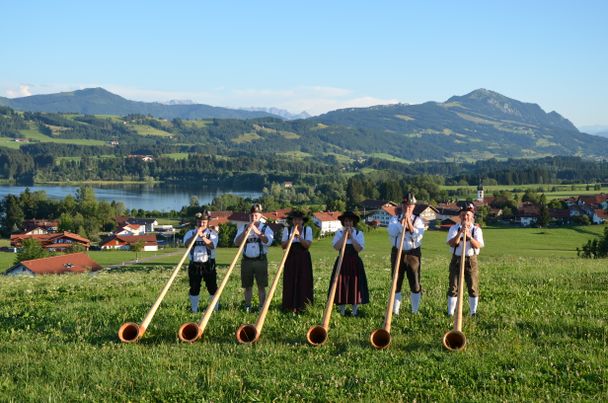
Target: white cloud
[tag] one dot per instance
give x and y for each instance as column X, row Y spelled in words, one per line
column 22, row 91
column 315, row 99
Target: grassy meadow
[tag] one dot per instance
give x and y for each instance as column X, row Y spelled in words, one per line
column 541, row 332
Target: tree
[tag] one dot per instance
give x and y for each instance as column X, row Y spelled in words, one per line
column 226, row 235
column 543, row 218
column 30, row 249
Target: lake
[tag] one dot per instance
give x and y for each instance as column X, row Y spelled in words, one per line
column 159, row 197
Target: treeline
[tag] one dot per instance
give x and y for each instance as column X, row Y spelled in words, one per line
column 560, row 169
column 82, row 213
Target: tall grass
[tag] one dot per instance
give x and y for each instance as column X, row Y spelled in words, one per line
column 540, row 334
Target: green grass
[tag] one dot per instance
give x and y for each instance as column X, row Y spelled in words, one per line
column 389, row 157
column 561, row 191
column 540, row 334
column 145, row 130
column 34, row 134
column 9, row 142
column 176, row 156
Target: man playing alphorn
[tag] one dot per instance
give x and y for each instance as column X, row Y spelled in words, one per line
column 474, row 243
column 255, row 263
column 202, row 259
column 410, row 256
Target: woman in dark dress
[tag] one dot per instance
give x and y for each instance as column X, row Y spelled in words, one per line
column 352, row 283
column 297, row 275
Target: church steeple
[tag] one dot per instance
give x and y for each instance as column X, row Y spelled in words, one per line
column 480, row 192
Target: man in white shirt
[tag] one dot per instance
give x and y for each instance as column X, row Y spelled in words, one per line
column 411, row 255
column 202, row 259
column 255, row 263
column 474, row 243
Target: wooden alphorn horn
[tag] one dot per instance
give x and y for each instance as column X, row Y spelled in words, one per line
column 381, row 338
column 455, row 340
column 130, row 332
column 317, row 335
column 190, row 332
column 247, row 333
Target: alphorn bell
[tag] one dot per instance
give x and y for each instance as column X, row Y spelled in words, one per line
column 130, row 332
column 317, row 335
column 381, row 338
column 249, row 334
column 455, row 340
column 190, row 332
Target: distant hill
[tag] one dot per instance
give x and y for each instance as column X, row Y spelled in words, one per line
column 98, row 101
column 479, row 125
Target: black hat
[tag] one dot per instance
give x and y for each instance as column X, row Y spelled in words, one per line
column 351, row 215
column 203, row 215
column 467, row 207
column 256, row 208
column 297, row 214
column 409, row 198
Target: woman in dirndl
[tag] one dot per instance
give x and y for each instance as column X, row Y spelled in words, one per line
column 352, row 283
column 297, row 275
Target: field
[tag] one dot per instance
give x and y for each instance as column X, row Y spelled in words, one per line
column 540, row 333
column 551, row 191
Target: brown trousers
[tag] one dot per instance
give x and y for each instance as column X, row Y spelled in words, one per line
column 410, row 265
column 471, row 276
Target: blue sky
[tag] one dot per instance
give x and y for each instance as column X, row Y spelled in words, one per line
column 314, row 55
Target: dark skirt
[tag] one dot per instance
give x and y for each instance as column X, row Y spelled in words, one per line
column 297, row 279
column 352, row 283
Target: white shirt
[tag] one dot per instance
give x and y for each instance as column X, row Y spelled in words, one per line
column 252, row 247
column 412, row 240
column 357, row 234
column 199, row 252
column 477, row 235
column 307, row 236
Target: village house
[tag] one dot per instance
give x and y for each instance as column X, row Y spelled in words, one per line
column 131, row 229
column 528, row 214
column 383, row 215
column 35, row 226
column 327, row 221
column 125, row 242
column 55, row 242
column 148, row 223
column 599, row 216
column 70, row 263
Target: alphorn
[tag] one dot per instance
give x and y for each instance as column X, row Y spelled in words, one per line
column 317, row 335
column 130, row 332
column 381, row 338
column 248, row 333
column 455, row 340
column 190, row 332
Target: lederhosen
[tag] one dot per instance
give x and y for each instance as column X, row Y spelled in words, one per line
column 198, row 271
column 471, row 273
column 352, row 283
column 255, row 268
column 410, row 264
column 298, row 286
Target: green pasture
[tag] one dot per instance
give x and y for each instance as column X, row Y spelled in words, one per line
column 176, row 156
column 34, row 134
column 540, row 334
column 551, row 191
column 9, row 142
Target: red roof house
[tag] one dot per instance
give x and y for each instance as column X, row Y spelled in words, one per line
column 71, row 263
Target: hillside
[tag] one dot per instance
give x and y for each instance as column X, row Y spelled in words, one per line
column 476, row 126
column 479, row 125
column 98, row 101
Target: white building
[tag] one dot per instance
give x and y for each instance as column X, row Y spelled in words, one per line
column 327, row 221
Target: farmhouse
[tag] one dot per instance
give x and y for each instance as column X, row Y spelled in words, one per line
column 39, row 226
column 327, row 221
column 59, row 241
column 131, row 229
column 125, row 242
column 71, row 263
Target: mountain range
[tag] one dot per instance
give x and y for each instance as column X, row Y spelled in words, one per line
column 98, row 101
column 479, row 125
